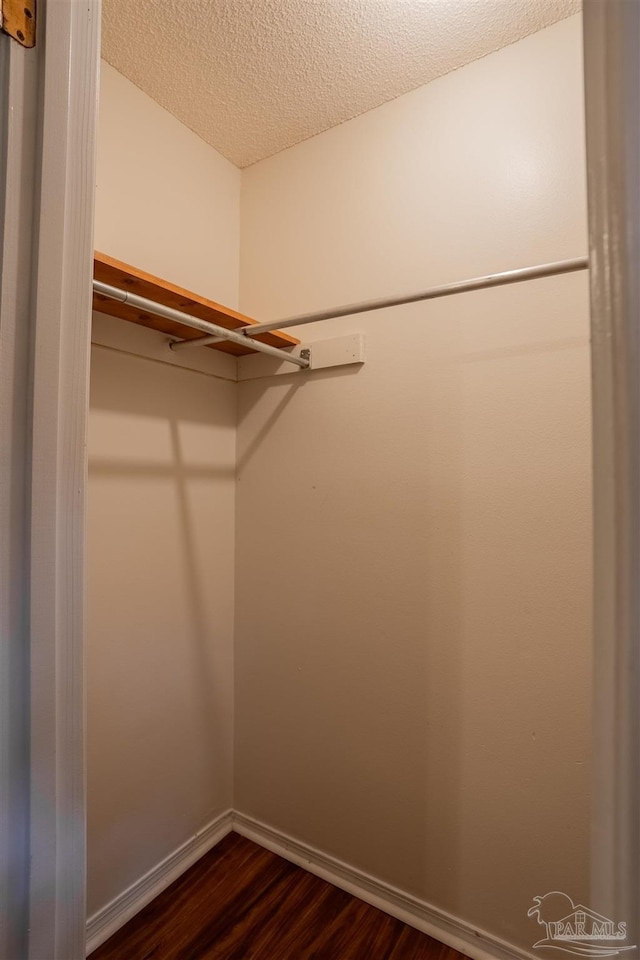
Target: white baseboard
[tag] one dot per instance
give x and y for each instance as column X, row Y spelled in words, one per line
column 448, row 929
column 107, row 921
column 475, row 943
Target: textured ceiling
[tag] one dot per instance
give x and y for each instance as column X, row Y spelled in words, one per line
column 252, row 77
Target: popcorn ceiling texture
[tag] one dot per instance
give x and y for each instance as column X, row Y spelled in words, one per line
column 252, row 77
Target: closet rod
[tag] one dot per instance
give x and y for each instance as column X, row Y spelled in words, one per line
column 211, row 329
column 462, row 286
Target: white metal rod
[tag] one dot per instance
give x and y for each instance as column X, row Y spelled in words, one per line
column 211, row 329
column 462, row 286
column 194, row 342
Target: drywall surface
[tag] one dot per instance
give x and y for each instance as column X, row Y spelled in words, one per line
column 165, row 201
column 161, row 511
column 160, row 613
column 413, row 536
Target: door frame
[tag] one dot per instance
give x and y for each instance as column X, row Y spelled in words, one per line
column 612, row 99
column 48, row 111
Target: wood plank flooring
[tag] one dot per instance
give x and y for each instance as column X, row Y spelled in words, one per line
column 241, row 902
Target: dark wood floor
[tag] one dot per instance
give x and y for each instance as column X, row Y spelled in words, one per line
column 240, row 902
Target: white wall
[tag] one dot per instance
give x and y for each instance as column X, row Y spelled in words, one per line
column 160, row 627
column 161, row 509
column 413, row 537
column 166, row 201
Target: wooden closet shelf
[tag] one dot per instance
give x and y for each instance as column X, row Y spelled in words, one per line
column 121, row 275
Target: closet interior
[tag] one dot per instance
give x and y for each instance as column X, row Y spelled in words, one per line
column 339, row 462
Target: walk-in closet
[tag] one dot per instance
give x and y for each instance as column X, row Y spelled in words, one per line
column 339, row 610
